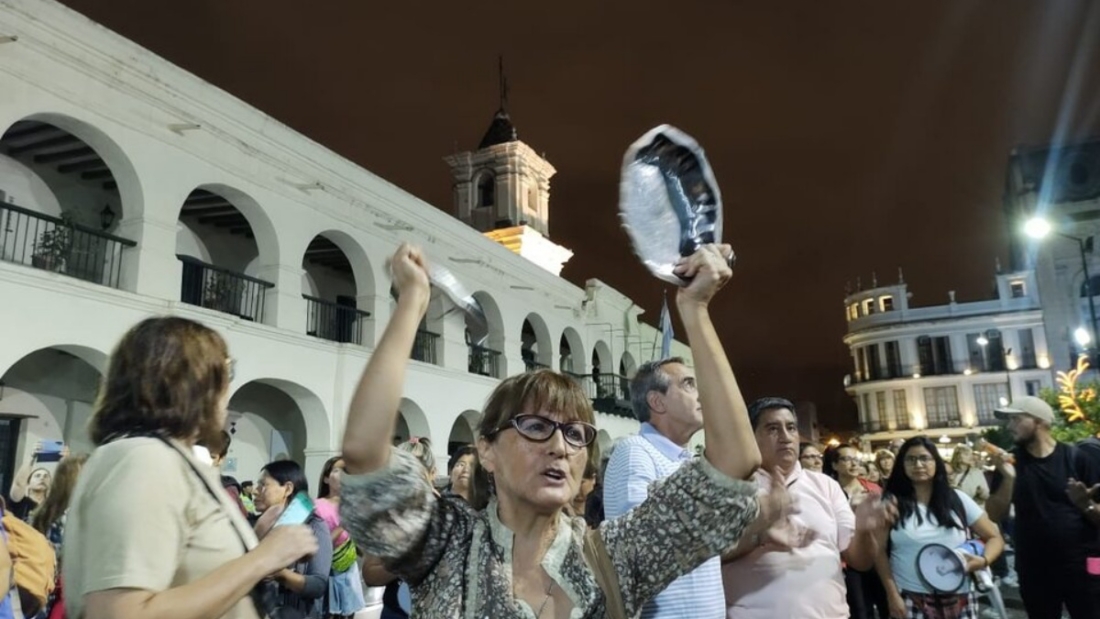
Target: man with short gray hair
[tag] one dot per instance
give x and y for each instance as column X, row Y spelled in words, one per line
column 665, row 400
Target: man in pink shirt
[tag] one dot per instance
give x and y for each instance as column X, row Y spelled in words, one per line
column 794, row 569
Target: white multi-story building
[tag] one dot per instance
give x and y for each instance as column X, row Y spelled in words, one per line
column 942, row 370
column 130, row 188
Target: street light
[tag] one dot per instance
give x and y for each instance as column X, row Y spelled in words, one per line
column 1082, row 337
column 1039, row 228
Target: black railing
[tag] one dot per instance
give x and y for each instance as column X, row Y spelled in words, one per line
column 530, row 365
column 609, row 393
column 935, row 424
column 424, row 347
column 223, row 290
column 334, row 322
column 61, row 246
column 484, row 361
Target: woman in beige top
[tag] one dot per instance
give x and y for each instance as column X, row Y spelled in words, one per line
column 967, row 474
column 184, row 551
column 513, row 552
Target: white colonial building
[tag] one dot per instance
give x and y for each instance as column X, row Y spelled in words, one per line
column 942, row 370
column 130, row 188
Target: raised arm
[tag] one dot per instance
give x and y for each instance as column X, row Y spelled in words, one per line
column 731, row 445
column 373, row 413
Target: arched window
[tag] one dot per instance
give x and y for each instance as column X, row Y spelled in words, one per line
column 486, row 190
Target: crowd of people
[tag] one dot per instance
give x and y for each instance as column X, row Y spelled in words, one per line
column 531, row 520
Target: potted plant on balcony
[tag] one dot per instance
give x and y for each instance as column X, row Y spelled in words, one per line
column 221, row 293
column 54, row 246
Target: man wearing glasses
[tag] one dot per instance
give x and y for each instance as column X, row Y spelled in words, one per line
column 665, row 400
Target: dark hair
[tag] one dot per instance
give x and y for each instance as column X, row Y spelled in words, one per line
column 831, row 457
column 763, row 405
column 228, row 481
column 941, row 507
column 323, row 489
column 460, row 453
column 245, row 485
column 804, row 445
column 541, row 389
column 166, row 376
column 288, row 472
column 650, row 376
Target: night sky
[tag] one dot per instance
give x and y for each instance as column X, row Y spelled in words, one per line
column 848, row 137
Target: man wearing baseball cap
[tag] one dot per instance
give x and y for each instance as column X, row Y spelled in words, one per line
column 1057, row 521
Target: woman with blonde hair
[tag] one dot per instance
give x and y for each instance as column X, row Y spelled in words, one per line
column 967, row 474
column 513, row 552
column 184, row 551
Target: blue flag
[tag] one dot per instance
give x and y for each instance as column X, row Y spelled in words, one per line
column 666, row 331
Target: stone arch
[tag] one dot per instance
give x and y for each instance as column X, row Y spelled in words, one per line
column 627, row 365
column 602, row 358
column 535, row 343
column 571, row 357
column 463, row 430
column 411, row 421
column 273, row 419
column 486, row 341
column 224, row 237
column 71, row 186
column 49, row 394
column 121, row 173
column 338, row 281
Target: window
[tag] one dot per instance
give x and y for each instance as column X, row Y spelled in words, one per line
column 976, row 351
column 924, row 353
column 486, row 190
column 887, row 303
column 987, row 398
column 1027, row 349
column 883, row 413
column 941, row 355
column 867, row 407
column 1095, row 284
column 1033, row 387
column 893, row 360
column 873, row 362
column 853, row 310
column 994, row 351
column 869, row 307
column 942, row 406
column 861, row 364
column 901, row 409
column 1017, row 289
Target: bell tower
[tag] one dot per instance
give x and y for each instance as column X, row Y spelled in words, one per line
column 502, row 189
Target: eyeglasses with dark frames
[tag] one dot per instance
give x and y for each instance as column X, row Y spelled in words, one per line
column 539, row 429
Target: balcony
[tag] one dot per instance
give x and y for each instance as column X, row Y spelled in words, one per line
column 610, row 393
column 424, row 347
column 334, row 322
column 222, row 290
column 484, row 361
column 530, row 365
column 61, row 246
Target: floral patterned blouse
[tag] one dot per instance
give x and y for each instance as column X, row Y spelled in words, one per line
column 459, row 561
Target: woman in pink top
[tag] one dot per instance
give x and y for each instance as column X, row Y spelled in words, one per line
column 345, row 584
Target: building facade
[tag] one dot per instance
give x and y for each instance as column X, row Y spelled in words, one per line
column 1061, row 184
column 941, row 370
column 130, row 188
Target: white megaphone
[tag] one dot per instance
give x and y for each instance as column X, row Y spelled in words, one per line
column 944, row 569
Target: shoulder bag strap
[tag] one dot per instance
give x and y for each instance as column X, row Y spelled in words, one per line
column 595, row 554
column 258, row 594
